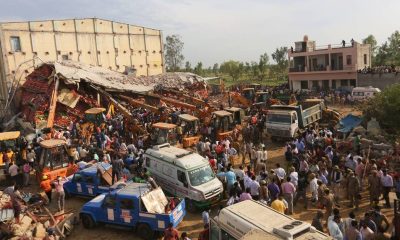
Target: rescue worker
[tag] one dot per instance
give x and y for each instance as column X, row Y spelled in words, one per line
column 353, row 185
column 45, row 185
column 374, row 183
column 336, row 178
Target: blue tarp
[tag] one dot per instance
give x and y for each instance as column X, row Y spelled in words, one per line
column 348, row 123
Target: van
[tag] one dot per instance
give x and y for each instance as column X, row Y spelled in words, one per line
column 184, row 174
column 361, row 93
column 237, row 221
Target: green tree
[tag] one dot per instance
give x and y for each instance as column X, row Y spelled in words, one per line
column 280, row 57
column 173, row 52
column 255, row 70
column 247, row 68
column 394, row 49
column 370, row 39
column 188, row 67
column 233, row 69
column 199, row 68
column 215, row 69
column 382, row 55
column 263, row 65
column 385, row 107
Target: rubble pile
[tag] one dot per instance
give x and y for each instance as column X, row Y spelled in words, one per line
column 79, row 86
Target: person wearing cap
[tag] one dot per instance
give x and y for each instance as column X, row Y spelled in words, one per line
column 375, row 187
column 264, row 195
column 387, row 184
column 45, row 185
column 353, row 186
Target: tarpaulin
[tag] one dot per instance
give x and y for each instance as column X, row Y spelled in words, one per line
column 348, row 123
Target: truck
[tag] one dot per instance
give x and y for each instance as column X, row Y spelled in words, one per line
column 92, row 181
column 238, row 220
column 185, row 174
column 134, row 206
column 288, row 121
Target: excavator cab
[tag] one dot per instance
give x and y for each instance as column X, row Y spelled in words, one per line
column 237, row 114
column 223, row 122
column 249, row 93
column 53, row 160
column 255, row 86
column 164, row 133
column 190, row 126
column 262, row 97
column 95, row 115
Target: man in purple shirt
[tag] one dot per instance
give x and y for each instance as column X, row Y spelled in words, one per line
column 274, row 190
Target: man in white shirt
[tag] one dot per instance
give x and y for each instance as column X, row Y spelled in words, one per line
column 387, row 184
column 314, row 187
column 280, row 172
column 333, row 227
column 254, row 188
column 13, row 171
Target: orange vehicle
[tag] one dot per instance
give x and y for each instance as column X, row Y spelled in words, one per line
column 223, row 122
column 190, row 125
column 54, row 160
column 164, row 133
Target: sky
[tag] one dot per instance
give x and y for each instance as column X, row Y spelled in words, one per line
column 214, row 31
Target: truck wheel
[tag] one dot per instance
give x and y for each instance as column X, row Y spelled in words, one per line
column 87, row 221
column 190, row 205
column 144, row 231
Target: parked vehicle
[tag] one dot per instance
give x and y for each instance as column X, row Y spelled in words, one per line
column 53, row 160
column 92, row 181
column 362, row 93
column 288, row 121
column 237, row 220
column 134, row 206
column 184, row 174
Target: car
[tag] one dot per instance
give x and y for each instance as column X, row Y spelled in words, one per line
column 91, row 181
column 135, row 206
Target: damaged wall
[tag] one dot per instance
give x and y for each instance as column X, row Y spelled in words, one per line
column 93, row 41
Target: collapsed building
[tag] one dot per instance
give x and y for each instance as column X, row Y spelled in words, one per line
column 79, row 87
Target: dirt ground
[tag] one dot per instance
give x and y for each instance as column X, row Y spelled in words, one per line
column 192, row 222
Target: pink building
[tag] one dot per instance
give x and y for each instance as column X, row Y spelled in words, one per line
column 332, row 66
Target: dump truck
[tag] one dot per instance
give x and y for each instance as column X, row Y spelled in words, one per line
column 242, row 219
column 288, row 121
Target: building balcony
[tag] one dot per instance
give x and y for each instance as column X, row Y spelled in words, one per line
column 322, row 69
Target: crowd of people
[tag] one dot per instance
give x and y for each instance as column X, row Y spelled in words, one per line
column 317, row 174
column 380, row 69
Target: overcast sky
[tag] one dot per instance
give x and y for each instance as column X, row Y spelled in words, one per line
column 219, row 30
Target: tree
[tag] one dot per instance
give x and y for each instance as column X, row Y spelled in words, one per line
column 199, row 68
column 382, row 55
column 385, row 107
column 263, row 66
column 188, row 67
column 255, row 70
column 394, row 49
column 280, row 58
column 173, row 52
column 370, row 39
column 215, row 69
column 233, row 69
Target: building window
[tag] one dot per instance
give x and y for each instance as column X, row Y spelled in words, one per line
column 365, row 58
column 15, row 44
column 304, row 84
column 64, row 57
column 352, row 82
column 348, row 59
column 344, row 82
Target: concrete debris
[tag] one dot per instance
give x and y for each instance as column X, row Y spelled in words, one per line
column 373, row 127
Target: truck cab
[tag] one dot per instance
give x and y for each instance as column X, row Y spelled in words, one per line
column 92, row 181
column 134, row 206
column 184, row 174
column 282, row 123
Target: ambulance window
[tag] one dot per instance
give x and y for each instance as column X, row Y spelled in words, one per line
column 182, row 177
column 109, row 202
column 126, row 204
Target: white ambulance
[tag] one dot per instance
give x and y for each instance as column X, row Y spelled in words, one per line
column 184, row 174
column 241, row 219
column 361, row 93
